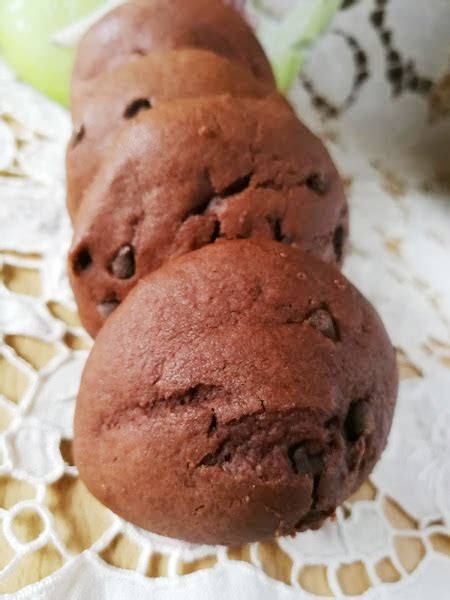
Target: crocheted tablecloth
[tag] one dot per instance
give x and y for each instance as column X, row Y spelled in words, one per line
column 375, row 89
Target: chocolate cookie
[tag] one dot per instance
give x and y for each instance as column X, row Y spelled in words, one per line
column 190, row 173
column 240, row 392
column 118, row 96
column 137, row 28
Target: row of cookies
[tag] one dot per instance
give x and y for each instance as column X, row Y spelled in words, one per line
column 242, row 387
column 179, row 146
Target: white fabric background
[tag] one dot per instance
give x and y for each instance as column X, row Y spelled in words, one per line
column 396, row 162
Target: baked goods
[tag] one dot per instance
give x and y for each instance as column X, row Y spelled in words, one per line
column 243, row 388
column 137, row 28
column 118, row 96
column 242, row 391
column 189, row 173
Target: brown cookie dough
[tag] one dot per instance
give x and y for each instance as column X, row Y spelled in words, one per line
column 137, row 28
column 240, row 392
column 190, row 173
column 119, row 96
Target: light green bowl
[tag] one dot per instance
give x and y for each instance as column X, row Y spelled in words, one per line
column 26, row 31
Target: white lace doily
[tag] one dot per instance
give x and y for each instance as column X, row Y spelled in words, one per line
column 366, row 91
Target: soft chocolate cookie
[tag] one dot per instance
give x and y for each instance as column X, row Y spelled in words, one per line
column 137, row 28
column 120, row 95
column 241, row 391
column 190, row 173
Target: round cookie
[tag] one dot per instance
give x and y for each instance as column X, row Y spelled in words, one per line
column 118, row 96
column 190, row 173
column 137, row 28
column 241, row 391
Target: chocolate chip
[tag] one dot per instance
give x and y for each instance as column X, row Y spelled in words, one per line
column 338, row 242
column 107, row 307
column 123, row 265
column 304, row 461
column 277, row 232
column 136, row 106
column 83, row 261
column 317, row 183
column 359, row 421
column 212, row 425
column 78, row 135
column 215, row 234
column 275, row 226
column 323, row 322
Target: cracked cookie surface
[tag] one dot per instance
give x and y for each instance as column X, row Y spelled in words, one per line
column 194, row 172
column 241, row 391
column 101, row 108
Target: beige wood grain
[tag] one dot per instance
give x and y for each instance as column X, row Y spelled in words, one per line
column 80, row 519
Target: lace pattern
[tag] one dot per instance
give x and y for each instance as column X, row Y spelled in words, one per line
column 394, row 161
